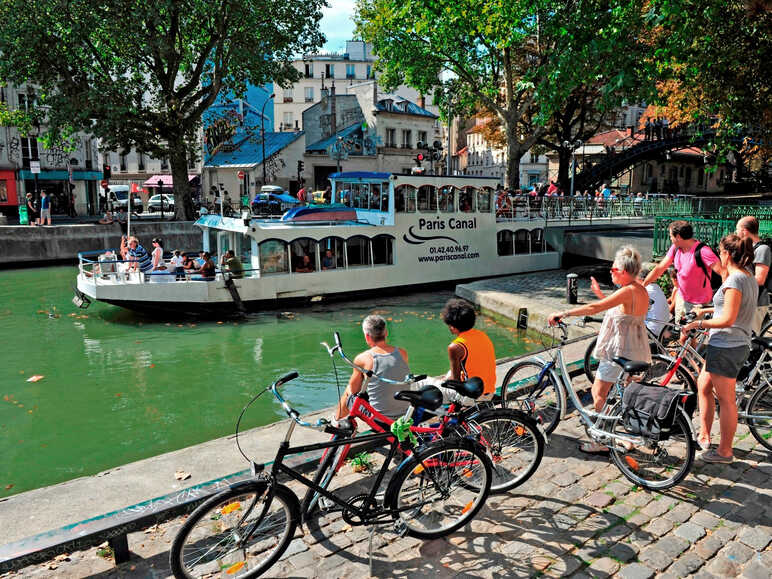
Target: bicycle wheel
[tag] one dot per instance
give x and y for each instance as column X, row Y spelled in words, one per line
column 542, row 400
column 327, row 469
column 514, row 444
column 590, row 361
column 440, row 487
column 662, row 365
column 239, row 532
column 655, row 465
column 760, row 412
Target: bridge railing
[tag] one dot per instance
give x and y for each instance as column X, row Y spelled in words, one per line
column 584, row 209
column 709, row 231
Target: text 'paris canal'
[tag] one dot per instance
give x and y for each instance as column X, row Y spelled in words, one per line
column 117, row 387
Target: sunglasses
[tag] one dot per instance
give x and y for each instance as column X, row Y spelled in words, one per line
column 616, row 270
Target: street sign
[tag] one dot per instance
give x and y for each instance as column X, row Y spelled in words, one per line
column 241, row 174
column 105, row 183
column 34, row 166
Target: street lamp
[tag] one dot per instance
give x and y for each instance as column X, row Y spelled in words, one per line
column 262, row 127
column 161, row 194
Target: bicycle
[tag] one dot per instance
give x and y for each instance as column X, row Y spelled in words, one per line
column 512, row 439
column 753, row 390
column 243, row 531
column 647, row 462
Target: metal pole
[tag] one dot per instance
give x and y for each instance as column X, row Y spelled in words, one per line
column 450, row 138
column 161, row 195
column 262, row 127
column 573, row 171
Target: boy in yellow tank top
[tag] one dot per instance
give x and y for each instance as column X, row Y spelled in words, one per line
column 471, row 353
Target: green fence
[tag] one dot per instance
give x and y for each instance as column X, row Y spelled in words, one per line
column 710, row 230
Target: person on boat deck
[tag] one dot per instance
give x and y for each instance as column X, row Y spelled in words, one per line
column 207, row 270
column 328, row 194
column 386, row 361
column 188, row 263
column 328, row 261
column 232, row 264
column 107, row 218
column 177, row 263
column 305, row 265
column 138, row 256
column 471, row 353
column 623, row 331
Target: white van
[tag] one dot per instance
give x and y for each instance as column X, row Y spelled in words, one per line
column 119, row 195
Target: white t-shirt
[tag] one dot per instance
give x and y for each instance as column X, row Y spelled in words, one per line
column 659, row 312
column 176, row 261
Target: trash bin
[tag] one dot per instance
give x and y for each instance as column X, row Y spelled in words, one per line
column 572, row 288
column 23, row 217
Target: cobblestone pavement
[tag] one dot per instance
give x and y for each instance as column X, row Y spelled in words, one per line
column 577, row 517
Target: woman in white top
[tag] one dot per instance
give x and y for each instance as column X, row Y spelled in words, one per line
column 158, row 259
column 622, row 332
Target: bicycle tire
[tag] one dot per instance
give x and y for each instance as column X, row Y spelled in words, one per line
column 761, row 403
column 323, row 477
column 590, row 361
column 271, row 530
column 643, row 467
column 514, row 443
column 766, row 330
column 519, row 383
column 452, row 477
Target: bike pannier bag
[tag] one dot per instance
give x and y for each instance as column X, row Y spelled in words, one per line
column 649, row 410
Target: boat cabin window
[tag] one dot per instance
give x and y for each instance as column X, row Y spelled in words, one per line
column 405, row 201
column 358, row 251
column 446, row 199
column 522, row 241
column 504, row 242
column 303, row 254
column 427, row 199
column 273, row 256
column 538, row 244
column 484, row 200
column 383, row 250
column 360, row 196
column 332, row 251
column 466, row 199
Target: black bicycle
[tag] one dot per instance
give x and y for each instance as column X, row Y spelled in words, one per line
column 242, row 531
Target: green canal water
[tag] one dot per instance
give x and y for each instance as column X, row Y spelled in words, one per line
column 117, row 387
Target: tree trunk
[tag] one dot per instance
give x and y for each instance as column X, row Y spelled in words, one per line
column 564, row 169
column 178, row 158
column 514, row 152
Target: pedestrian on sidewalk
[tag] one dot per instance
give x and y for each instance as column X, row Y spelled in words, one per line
column 45, row 208
column 729, row 341
column 32, row 212
column 623, row 331
column 693, row 271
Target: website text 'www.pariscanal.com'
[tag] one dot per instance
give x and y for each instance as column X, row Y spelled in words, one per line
column 448, row 257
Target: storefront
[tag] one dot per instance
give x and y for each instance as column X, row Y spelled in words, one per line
column 65, row 200
column 9, row 197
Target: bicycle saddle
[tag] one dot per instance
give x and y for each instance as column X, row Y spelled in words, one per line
column 428, row 397
column 632, row 366
column 765, row 343
column 472, row 388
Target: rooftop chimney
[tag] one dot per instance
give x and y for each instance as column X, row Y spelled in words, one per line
column 333, row 112
column 422, row 101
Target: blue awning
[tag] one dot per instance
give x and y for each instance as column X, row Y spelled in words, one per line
column 45, row 175
column 361, row 175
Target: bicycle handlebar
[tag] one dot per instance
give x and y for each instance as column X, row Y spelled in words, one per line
column 321, row 424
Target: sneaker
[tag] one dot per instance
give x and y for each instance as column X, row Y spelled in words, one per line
column 703, row 443
column 712, row 456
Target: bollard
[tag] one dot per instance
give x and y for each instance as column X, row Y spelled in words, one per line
column 572, row 288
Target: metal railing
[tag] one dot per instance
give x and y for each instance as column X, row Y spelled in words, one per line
column 707, row 230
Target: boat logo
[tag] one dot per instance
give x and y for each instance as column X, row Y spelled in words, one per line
column 420, row 239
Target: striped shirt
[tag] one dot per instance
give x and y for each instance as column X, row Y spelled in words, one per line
column 140, row 255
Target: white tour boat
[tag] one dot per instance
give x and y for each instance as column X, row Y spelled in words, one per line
column 382, row 233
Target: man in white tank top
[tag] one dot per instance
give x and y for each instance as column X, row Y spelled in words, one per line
column 386, row 361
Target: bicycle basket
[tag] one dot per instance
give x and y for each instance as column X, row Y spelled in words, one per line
column 650, row 410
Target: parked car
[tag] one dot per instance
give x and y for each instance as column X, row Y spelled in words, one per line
column 119, row 195
column 154, row 203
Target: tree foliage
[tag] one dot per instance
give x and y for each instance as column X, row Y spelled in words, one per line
column 521, row 60
column 141, row 74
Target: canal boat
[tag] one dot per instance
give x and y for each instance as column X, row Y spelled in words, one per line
column 382, row 233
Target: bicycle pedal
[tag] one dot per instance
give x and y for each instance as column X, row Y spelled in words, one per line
column 400, row 528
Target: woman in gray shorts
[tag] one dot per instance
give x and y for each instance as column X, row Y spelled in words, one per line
column 729, row 341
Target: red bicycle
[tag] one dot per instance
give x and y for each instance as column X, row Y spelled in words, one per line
column 513, row 440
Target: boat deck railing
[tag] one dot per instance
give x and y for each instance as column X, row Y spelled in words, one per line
column 109, row 269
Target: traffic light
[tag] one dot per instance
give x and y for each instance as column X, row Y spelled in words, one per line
column 419, row 158
column 300, row 166
column 106, row 171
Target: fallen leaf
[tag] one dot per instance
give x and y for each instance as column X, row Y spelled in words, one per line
column 62, row 557
column 35, row 378
column 152, row 365
column 52, row 566
column 117, row 394
column 181, row 475
column 8, row 487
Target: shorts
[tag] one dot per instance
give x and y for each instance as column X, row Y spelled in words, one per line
column 683, row 307
column 45, row 213
column 608, row 371
column 725, row 361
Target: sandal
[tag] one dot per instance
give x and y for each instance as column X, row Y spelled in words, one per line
column 593, row 448
column 712, row 456
column 703, row 443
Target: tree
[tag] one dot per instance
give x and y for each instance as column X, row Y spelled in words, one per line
column 519, row 59
column 141, row 74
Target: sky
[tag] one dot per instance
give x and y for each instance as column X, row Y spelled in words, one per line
column 337, row 25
